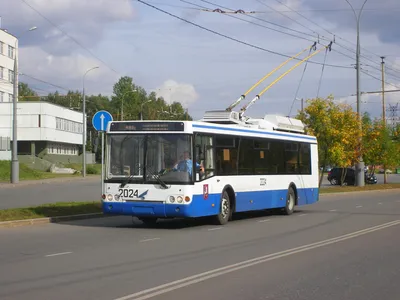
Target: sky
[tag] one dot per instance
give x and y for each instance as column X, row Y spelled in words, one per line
column 198, row 66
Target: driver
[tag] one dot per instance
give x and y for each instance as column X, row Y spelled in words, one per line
column 186, row 164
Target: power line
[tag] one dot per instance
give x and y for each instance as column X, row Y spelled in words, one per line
column 232, row 38
column 43, row 81
column 69, row 36
column 379, row 79
column 318, row 34
column 250, row 22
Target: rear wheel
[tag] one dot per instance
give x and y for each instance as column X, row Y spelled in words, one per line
column 290, row 202
column 225, row 210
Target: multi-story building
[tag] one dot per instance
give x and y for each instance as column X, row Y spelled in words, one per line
column 8, row 44
column 43, row 129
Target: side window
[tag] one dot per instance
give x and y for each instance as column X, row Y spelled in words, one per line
column 246, row 160
column 291, row 158
column 204, row 156
column 227, row 155
column 305, row 159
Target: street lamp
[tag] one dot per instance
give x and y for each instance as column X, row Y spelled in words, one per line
column 84, row 124
column 14, row 149
column 360, row 165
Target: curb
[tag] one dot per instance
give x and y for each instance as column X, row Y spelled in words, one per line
column 353, row 192
column 39, row 221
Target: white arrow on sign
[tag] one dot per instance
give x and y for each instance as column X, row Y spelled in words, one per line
column 102, row 122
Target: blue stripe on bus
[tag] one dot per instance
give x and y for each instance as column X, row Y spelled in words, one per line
column 255, row 131
column 199, row 207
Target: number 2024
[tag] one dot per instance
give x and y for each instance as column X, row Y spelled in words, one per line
column 128, row 193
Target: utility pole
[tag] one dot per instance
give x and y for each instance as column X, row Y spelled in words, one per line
column 383, row 111
column 383, row 91
column 360, row 180
column 302, row 105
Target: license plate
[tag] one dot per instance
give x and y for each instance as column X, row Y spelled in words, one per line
column 128, row 193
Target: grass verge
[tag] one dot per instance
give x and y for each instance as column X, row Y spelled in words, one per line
column 369, row 187
column 26, row 173
column 50, row 210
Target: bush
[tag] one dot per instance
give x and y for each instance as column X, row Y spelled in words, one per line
column 92, row 170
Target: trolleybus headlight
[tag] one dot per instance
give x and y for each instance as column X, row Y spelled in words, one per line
column 110, row 197
column 116, row 196
column 179, row 199
column 187, row 198
column 171, row 199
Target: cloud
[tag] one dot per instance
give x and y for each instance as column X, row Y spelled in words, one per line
column 85, row 21
column 173, row 91
column 380, row 19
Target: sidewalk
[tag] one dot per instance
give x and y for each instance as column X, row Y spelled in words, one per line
column 4, row 185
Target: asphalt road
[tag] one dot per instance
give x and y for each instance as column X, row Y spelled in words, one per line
column 344, row 247
column 87, row 189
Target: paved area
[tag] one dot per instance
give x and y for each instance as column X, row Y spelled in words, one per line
column 76, row 189
column 344, row 247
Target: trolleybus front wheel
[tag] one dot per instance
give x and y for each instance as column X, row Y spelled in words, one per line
column 225, row 210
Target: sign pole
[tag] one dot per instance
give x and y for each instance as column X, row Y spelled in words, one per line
column 102, row 162
column 100, row 121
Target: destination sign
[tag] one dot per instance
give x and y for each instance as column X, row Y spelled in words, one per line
column 147, row 126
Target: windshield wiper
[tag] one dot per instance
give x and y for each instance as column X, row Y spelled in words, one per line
column 157, row 177
column 128, row 180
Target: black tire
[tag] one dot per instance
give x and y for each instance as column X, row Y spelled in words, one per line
column 290, row 202
column 225, row 210
column 149, row 221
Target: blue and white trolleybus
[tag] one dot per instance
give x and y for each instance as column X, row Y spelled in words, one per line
column 218, row 166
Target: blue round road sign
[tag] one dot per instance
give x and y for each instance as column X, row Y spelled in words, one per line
column 101, row 119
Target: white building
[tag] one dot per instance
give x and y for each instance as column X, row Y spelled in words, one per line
column 8, row 44
column 44, row 129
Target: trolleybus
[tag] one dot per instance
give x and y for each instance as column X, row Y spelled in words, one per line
column 214, row 167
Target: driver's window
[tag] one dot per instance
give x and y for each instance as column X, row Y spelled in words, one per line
column 204, row 155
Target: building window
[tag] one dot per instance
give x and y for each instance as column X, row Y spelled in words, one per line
column 10, row 98
column 10, row 52
column 67, row 125
column 1, row 47
column 11, row 76
column 1, row 73
column 1, row 97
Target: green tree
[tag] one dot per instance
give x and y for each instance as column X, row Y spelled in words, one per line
column 337, row 130
column 25, row 93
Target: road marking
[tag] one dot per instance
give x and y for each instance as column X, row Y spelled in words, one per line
column 58, row 254
column 302, row 215
column 263, row 221
column 332, row 210
column 212, row 229
column 358, row 206
column 174, row 285
column 148, row 240
column 380, row 203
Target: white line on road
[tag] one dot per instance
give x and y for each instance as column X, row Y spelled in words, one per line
column 380, row 203
column 58, row 254
column 263, row 221
column 149, row 240
column 302, row 215
column 358, row 206
column 212, row 229
column 332, row 210
column 174, row 285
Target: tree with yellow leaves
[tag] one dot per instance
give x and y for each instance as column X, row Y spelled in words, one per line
column 337, row 129
column 380, row 145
